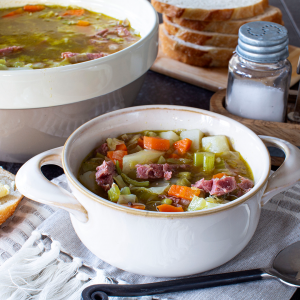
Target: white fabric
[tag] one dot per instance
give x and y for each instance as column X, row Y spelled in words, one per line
column 279, row 227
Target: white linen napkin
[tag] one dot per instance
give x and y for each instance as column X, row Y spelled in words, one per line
column 279, row 227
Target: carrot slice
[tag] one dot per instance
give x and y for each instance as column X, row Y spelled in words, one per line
column 14, row 13
column 183, row 192
column 135, row 205
column 141, row 142
column 117, row 155
column 169, row 208
column 83, row 23
column 183, row 146
column 155, row 143
column 33, row 8
column 74, row 12
column 174, row 155
column 121, row 147
column 219, row 175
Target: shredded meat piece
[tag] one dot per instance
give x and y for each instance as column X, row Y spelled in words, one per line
column 81, row 57
column 245, row 184
column 105, row 174
column 223, row 186
column 103, row 149
column 203, row 184
column 9, row 50
column 155, row 171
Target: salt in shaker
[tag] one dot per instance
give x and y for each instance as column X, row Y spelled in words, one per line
column 259, row 73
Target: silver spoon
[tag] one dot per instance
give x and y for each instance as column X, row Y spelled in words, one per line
column 286, row 268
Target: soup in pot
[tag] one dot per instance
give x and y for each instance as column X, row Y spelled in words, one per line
column 40, row 36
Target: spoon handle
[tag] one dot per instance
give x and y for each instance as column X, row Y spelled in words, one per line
column 101, row 291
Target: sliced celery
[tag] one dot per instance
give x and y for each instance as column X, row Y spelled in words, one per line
column 183, row 182
column 149, row 133
column 124, row 199
column 125, row 191
column 179, row 161
column 99, row 155
column 208, row 162
column 198, row 159
column 114, row 193
column 167, row 201
column 120, row 182
column 134, row 182
column 205, row 159
column 197, row 204
column 135, row 149
column 90, row 165
column 161, row 160
column 187, row 175
column 119, row 171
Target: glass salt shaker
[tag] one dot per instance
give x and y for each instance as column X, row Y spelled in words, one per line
column 260, row 73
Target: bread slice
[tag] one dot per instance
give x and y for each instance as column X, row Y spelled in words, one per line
column 271, row 14
column 8, row 203
column 211, row 10
column 201, row 56
column 200, row 37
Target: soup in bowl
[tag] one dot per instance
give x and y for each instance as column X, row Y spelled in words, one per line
column 153, row 242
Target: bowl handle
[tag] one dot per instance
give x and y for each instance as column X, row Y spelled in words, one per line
column 287, row 174
column 31, row 182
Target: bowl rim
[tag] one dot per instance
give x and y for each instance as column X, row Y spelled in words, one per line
column 97, row 61
column 75, row 182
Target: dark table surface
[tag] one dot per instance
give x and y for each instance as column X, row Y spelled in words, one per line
column 160, row 89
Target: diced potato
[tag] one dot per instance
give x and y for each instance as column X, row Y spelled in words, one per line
column 88, row 179
column 169, row 135
column 215, row 144
column 195, row 136
column 141, row 157
column 211, row 205
column 197, row 204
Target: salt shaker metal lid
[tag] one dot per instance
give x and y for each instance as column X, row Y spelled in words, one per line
column 263, row 42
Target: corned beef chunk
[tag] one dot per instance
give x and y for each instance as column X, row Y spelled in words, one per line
column 10, row 50
column 156, row 171
column 103, row 149
column 223, row 186
column 205, row 185
column 245, row 184
column 105, row 174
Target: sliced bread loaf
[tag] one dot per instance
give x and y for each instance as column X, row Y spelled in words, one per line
column 201, row 37
column 271, row 14
column 211, row 10
column 201, row 56
column 8, row 203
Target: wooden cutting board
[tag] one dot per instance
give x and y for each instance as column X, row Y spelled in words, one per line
column 212, row 79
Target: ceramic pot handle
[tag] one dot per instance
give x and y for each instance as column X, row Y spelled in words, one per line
column 287, row 174
column 31, row 182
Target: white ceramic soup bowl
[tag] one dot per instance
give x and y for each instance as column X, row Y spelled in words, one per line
column 39, row 109
column 154, row 243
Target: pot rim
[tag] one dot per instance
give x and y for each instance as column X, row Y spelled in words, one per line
column 74, row 181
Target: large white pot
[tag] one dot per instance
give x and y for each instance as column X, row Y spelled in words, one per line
column 154, row 243
column 39, row 109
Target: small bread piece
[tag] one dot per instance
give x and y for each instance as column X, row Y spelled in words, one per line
column 211, row 10
column 201, row 37
column 201, row 56
column 271, row 14
column 8, row 203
